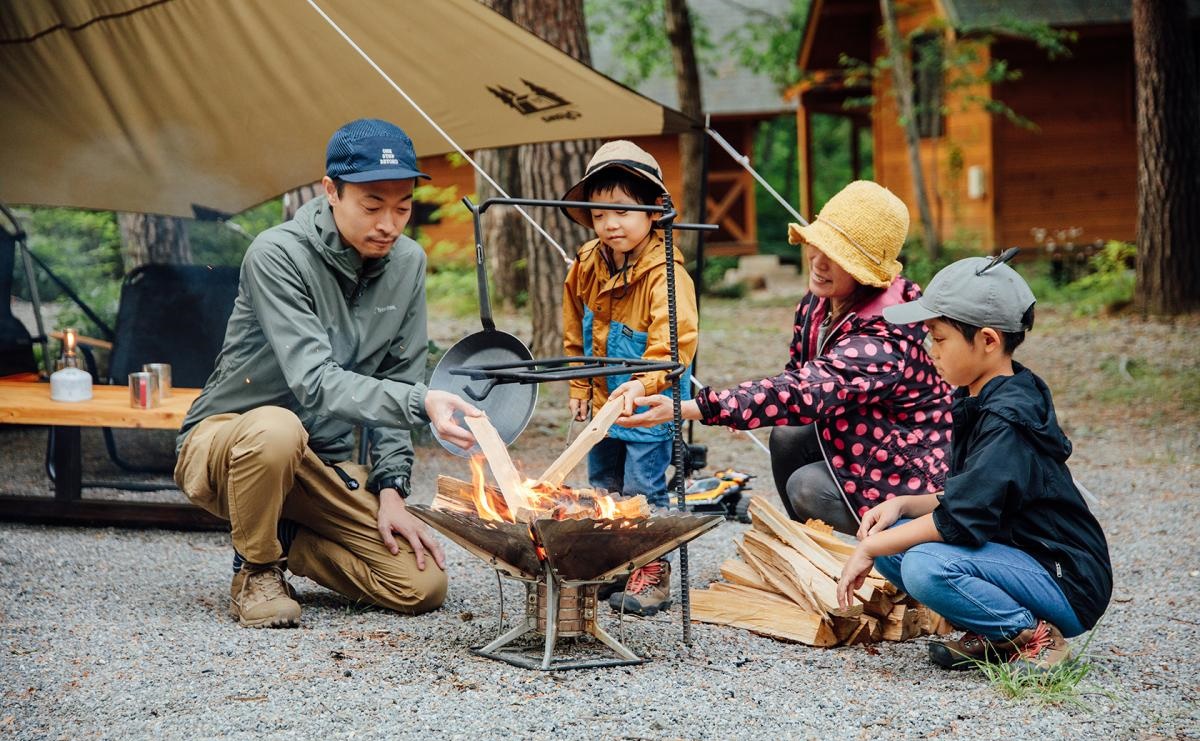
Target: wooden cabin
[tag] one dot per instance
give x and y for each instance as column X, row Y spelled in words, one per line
column 737, row 99
column 992, row 182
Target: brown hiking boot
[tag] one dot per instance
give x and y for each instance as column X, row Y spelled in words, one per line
column 647, row 592
column 260, row 597
column 1040, row 648
column 967, row 651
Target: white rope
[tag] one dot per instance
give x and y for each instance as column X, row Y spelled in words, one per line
column 744, row 161
column 537, row 227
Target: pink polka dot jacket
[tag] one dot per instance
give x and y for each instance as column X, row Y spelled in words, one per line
column 881, row 410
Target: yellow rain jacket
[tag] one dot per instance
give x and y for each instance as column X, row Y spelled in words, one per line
column 624, row 314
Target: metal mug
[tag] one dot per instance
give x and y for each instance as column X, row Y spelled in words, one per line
column 162, row 376
column 143, row 390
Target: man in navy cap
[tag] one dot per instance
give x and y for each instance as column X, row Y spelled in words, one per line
column 327, row 335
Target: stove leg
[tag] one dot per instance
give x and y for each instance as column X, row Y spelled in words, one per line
column 506, row 639
column 612, row 643
column 551, row 621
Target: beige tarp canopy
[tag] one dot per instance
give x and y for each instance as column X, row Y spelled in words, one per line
column 163, row 105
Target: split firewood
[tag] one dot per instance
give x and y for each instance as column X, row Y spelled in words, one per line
column 496, row 453
column 782, row 575
column 739, row 572
column 802, row 572
column 797, row 592
column 595, row 431
column 902, row 623
column 770, row 520
column 760, row 612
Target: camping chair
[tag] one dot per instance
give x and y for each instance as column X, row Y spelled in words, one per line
column 16, row 344
column 173, row 314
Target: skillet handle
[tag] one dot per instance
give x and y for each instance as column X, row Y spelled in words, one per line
column 485, row 304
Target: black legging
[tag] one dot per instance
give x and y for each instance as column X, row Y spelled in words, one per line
column 803, row 479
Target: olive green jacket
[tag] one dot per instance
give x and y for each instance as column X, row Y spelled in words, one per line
column 338, row 341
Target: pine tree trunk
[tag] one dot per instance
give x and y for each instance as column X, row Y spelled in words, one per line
column 691, row 143
column 547, row 170
column 902, row 80
column 1168, row 117
column 503, row 230
column 152, row 239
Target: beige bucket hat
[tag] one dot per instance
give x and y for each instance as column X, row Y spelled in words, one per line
column 862, row 229
column 620, row 153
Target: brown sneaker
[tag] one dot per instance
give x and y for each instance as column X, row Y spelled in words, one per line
column 967, row 651
column 1040, row 648
column 647, row 592
column 260, row 597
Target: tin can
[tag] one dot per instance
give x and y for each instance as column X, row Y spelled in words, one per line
column 162, row 377
column 142, row 390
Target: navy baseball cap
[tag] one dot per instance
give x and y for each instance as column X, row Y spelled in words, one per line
column 369, row 150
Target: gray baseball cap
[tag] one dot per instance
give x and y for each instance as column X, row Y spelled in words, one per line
column 980, row 291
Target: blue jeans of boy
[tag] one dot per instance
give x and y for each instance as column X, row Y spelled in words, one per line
column 996, row 591
column 631, row 468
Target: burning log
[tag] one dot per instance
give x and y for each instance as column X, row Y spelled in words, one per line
column 785, row 587
column 487, row 502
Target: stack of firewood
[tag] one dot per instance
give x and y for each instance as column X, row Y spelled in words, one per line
column 785, row 586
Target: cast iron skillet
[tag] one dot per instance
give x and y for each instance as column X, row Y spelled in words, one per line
column 508, row 405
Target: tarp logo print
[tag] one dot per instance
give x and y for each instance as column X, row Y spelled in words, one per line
column 538, row 100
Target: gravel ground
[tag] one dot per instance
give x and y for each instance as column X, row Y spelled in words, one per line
column 108, row 633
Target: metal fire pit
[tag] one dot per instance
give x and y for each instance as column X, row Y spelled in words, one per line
column 562, row 564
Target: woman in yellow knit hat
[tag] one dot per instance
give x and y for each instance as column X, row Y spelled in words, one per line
column 859, row 413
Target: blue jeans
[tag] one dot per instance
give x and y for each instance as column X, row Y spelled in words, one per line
column 996, row 591
column 631, row 468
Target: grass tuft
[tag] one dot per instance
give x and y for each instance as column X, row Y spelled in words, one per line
column 1061, row 685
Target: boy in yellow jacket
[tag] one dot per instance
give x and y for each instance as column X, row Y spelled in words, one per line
column 615, row 305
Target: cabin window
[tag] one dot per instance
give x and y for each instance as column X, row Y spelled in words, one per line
column 928, row 55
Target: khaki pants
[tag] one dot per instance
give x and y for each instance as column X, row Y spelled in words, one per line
column 253, row 469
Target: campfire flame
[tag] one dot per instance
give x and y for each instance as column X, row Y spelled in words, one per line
column 540, row 500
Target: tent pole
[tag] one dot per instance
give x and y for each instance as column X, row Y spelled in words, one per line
column 744, row 161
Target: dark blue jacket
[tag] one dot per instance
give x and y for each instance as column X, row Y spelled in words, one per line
column 1009, row 484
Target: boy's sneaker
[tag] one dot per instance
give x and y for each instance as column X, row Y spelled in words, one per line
column 260, row 598
column 647, row 592
column 968, row 650
column 1040, row 648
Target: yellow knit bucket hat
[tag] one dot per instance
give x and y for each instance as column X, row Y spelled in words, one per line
column 862, row 229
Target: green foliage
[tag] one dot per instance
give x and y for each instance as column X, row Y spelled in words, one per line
column 1107, row 286
column 769, row 44
column 920, row 268
column 83, row 248
column 637, row 31
column 1111, row 282
column 715, row 269
column 215, row 243
column 452, row 291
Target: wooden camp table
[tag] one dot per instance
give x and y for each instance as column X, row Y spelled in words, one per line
column 27, row 403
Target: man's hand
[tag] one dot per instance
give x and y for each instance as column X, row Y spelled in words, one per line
column 630, row 390
column 880, row 517
column 579, row 409
column 394, row 518
column 441, row 406
column 854, row 573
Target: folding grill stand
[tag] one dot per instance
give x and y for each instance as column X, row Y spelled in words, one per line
column 557, row 369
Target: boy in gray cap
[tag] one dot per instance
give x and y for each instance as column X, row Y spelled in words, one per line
column 1008, row 551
